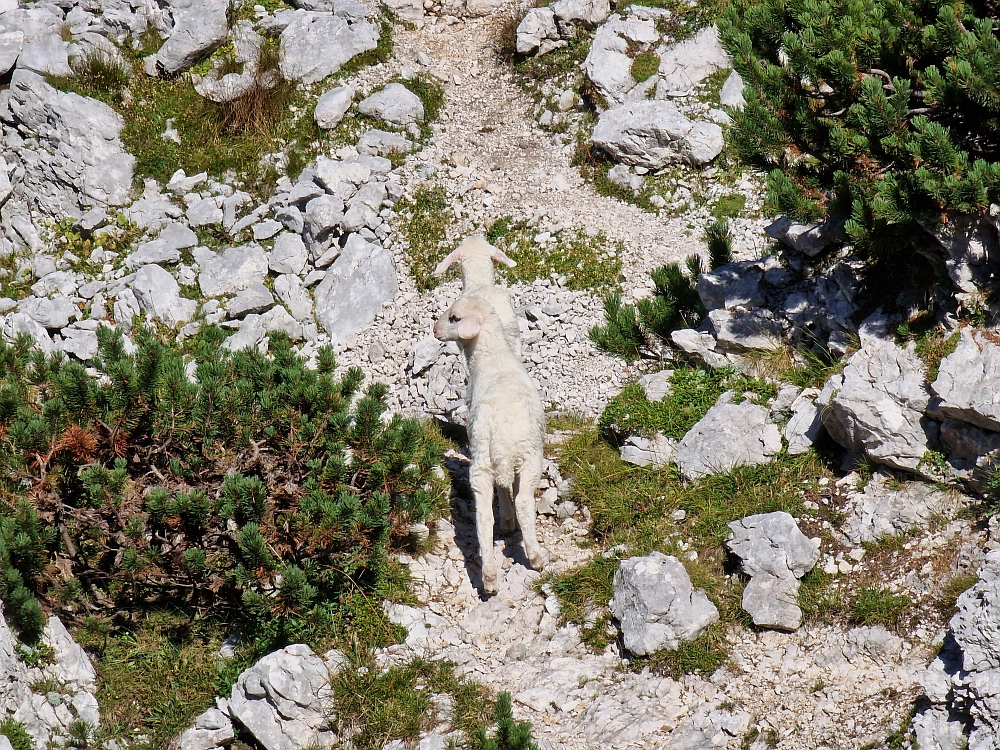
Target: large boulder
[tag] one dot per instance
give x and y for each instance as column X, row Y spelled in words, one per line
column 656, row 605
column 48, row 56
column 282, row 700
column 352, row 293
column 884, row 508
column 968, row 381
column 200, row 27
column 728, row 436
column 394, row 104
column 775, row 554
column 876, row 405
column 66, row 149
column 316, row 45
column 653, row 134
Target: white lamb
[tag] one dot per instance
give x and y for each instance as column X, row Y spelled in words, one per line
column 477, row 256
column 506, row 429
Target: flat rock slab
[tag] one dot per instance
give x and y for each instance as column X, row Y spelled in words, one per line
column 160, row 297
column 199, row 28
column 775, row 554
column 657, row 451
column 691, row 61
column 235, row 269
column 352, row 293
column 656, row 605
column 728, row 436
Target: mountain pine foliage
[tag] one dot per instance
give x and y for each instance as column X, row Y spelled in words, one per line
column 675, row 303
column 883, row 114
column 243, row 486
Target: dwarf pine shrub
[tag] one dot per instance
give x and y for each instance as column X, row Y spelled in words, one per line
column 878, row 113
column 243, row 485
column 675, row 303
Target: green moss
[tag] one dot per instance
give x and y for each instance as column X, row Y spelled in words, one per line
column 729, row 206
column 645, row 66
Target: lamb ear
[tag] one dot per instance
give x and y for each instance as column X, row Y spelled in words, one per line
column 469, row 327
column 446, row 263
column 501, row 256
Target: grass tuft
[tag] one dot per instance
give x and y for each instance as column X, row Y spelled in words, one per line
column 645, row 66
column 877, row 606
column 398, row 704
column 16, row 734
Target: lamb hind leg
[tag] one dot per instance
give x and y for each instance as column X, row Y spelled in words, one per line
column 482, row 489
column 524, row 504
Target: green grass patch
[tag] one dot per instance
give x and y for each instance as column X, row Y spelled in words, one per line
column 216, row 138
column 956, row 586
column 693, row 393
column 377, row 707
column 534, row 70
column 155, row 680
column 729, row 206
column 423, row 222
column 632, row 506
column 877, row 606
column 710, row 89
column 587, row 262
column 645, row 66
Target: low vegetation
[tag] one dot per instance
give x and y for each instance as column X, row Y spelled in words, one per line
column 628, row 331
column 423, row 222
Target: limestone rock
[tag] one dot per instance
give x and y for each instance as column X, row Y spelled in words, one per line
column 210, row 730
column 745, row 330
column 354, row 290
column 608, row 64
column 66, row 146
column 775, row 554
column 79, row 341
column 657, row 451
column 48, row 56
column 200, row 27
column 281, row 700
column 876, row 405
column 407, row 10
column 159, row 296
column 729, row 435
column 968, row 380
column 289, row 254
column 804, row 427
column 333, row 105
column 691, row 61
column 587, row 12
column 808, row 239
column 51, row 313
column 316, row 45
column 701, row 345
column 383, row 143
column 154, row 251
column 425, row 353
column 537, row 33
column 236, row 269
column 394, row 104
column 256, row 298
column 732, row 91
column 291, row 292
column 653, row 134
column 882, row 509
column 731, row 285
column 656, row 385
column 656, row 604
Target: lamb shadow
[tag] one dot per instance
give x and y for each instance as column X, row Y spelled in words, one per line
column 463, row 519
